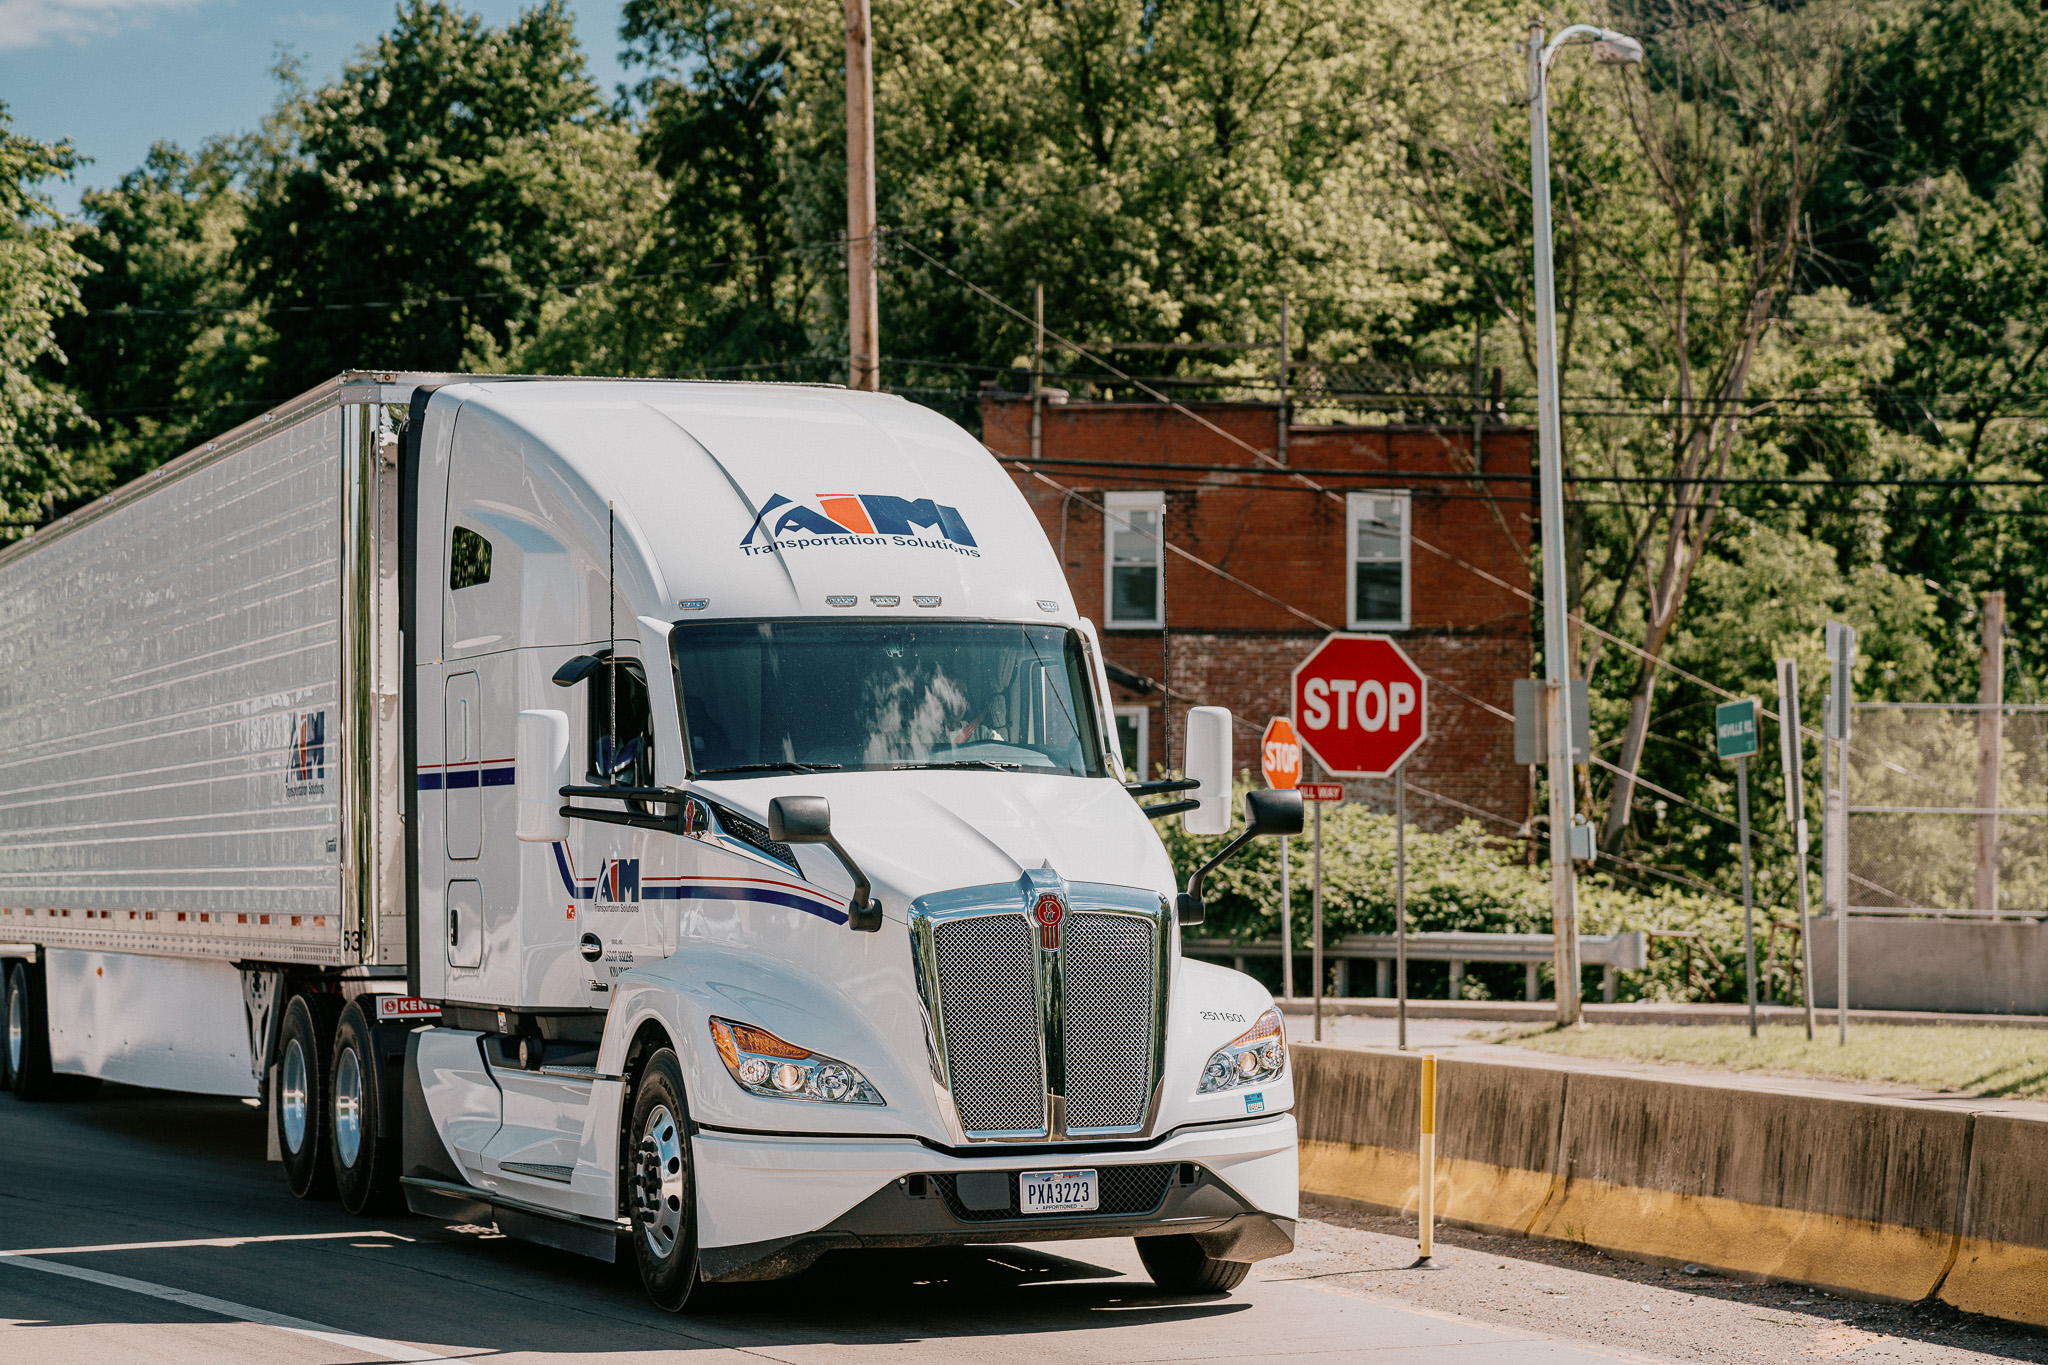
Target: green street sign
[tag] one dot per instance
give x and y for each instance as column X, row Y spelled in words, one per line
column 1735, row 728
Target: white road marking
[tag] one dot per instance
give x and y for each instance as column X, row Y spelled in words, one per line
column 206, row 1303
column 200, row 1242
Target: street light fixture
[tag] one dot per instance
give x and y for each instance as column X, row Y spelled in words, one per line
column 1567, row 838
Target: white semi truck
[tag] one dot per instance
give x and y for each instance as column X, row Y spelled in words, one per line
column 683, row 816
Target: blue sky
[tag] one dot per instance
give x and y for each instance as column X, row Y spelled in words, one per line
column 115, row 76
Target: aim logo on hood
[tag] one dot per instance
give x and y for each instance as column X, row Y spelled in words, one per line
column 866, row 518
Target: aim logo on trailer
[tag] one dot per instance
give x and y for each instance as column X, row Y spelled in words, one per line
column 306, row 755
column 879, row 516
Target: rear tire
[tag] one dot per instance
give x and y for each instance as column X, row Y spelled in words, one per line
column 364, row 1108
column 1178, row 1265
column 661, row 1187
column 305, row 1111
column 28, row 1034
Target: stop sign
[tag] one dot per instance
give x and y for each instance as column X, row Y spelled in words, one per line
column 1360, row 705
column 1280, row 755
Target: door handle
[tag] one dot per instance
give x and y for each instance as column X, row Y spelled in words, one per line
column 454, row 928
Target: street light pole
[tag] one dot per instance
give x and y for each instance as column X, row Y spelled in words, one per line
column 1608, row 46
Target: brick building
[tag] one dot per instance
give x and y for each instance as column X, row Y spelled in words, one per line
column 1119, row 485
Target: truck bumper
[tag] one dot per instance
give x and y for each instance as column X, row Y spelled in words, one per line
column 1235, row 1187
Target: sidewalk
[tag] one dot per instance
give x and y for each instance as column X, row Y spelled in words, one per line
column 1450, row 1039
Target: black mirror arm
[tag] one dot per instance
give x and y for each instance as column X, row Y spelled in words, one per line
column 1189, row 908
column 863, row 912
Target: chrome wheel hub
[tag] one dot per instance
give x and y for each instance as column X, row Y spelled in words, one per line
column 14, row 1032
column 658, row 1182
column 348, row 1107
column 291, row 1096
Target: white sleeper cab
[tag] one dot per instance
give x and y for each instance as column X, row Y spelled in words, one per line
column 684, row 817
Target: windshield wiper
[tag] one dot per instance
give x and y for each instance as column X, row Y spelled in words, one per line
column 986, row 764
column 773, row 768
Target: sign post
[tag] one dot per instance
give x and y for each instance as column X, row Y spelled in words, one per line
column 1361, row 707
column 1792, row 757
column 1317, row 795
column 1841, row 648
column 1735, row 737
column 1280, row 761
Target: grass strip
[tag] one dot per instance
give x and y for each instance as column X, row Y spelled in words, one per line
column 2009, row 1063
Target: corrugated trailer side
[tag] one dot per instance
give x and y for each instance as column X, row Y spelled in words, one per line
column 199, row 712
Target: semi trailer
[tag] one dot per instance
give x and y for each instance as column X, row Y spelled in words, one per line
column 675, row 816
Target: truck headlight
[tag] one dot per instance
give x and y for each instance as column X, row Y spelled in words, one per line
column 1257, row 1055
column 765, row 1065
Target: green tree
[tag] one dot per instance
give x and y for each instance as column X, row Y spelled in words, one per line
column 40, row 270
column 165, row 350
column 433, row 197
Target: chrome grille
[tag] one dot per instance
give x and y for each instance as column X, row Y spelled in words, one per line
column 1109, row 980
column 988, row 993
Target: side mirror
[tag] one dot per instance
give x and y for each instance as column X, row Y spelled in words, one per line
column 1265, row 812
column 800, row 820
column 808, row 820
column 1273, row 812
column 1208, row 763
column 541, row 770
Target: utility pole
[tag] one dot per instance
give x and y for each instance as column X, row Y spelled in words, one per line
column 862, row 300
column 1609, row 47
column 1038, row 380
column 1990, row 740
column 1478, row 395
column 1285, row 417
column 1564, row 897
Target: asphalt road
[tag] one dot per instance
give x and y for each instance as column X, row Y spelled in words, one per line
column 140, row 1226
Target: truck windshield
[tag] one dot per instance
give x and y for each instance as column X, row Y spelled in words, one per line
column 803, row 696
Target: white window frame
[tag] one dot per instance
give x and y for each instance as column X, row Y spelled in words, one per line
column 1354, row 508
column 1144, row 719
column 1125, row 501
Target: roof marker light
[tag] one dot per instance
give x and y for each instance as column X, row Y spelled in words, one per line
column 887, row 600
column 694, row 603
column 1044, row 605
column 927, row 601
column 842, row 600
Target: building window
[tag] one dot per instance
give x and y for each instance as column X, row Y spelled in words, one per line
column 1134, row 737
column 1378, row 553
column 1133, row 546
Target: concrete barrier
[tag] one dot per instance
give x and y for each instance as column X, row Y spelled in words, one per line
column 1870, row 1198
column 1959, row 965
column 2001, row 1262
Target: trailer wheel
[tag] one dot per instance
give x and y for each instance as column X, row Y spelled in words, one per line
column 28, row 1034
column 662, row 1188
column 305, row 1117
column 1178, row 1265
column 365, row 1108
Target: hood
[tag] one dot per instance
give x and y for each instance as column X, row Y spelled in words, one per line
column 914, row 833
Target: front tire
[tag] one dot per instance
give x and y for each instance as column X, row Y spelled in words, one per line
column 364, row 1109
column 27, row 1034
column 305, row 1116
column 1178, row 1265
column 661, row 1186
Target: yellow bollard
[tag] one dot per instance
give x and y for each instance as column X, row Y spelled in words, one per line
column 1425, row 1213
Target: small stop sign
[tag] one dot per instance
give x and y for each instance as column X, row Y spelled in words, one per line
column 1280, row 755
column 1361, row 705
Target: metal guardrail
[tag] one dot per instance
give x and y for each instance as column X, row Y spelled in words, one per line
column 1624, row 952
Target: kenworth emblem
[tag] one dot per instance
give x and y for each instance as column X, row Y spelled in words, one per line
column 1051, row 910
